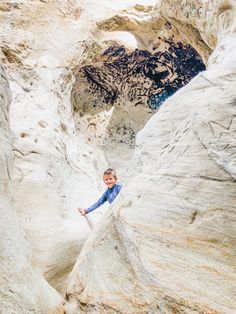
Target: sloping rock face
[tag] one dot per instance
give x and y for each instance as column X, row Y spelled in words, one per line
column 169, row 245
column 22, row 290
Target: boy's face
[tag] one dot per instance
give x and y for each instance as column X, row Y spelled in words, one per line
column 109, row 180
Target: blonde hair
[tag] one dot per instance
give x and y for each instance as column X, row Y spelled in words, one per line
column 110, row 171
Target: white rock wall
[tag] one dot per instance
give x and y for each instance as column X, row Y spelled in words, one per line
column 54, row 171
column 169, row 247
column 48, row 181
column 171, row 240
column 22, row 290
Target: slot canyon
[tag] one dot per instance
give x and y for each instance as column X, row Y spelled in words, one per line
column 146, row 87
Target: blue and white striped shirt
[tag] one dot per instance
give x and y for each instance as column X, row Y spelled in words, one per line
column 109, row 195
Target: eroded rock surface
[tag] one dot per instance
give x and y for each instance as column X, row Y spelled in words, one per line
column 126, row 78
column 22, row 289
column 139, row 76
column 169, row 246
column 55, row 170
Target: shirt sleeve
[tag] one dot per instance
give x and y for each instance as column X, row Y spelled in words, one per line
column 101, row 201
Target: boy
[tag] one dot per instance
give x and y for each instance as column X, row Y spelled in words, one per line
column 113, row 189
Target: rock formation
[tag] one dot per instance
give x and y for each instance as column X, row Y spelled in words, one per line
column 169, row 245
column 120, row 85
column 53, row 172
column 54, row 169
column 22, row 288
column 112, row 84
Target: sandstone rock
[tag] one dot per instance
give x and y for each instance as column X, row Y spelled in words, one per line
column 169, row 245
column 125, row 79
column 171, row 239
column 22, row 289
column 55, row 170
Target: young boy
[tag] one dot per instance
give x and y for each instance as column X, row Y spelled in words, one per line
column 113, row 189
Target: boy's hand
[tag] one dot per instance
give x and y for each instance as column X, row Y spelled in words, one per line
column 82, row 211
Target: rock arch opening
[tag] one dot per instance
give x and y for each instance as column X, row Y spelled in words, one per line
column 120, row 87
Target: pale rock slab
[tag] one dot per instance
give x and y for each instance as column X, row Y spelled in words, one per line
column 22, row 289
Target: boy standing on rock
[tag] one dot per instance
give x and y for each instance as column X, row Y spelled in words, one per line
column 113, row 189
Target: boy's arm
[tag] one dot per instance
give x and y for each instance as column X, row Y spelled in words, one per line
column 101, row 201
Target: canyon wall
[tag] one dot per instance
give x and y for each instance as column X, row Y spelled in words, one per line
column 54, row 170
column 113, row 84
column 169, row 245
column 22, row 288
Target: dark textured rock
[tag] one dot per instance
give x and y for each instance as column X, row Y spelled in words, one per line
column 138, row 76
